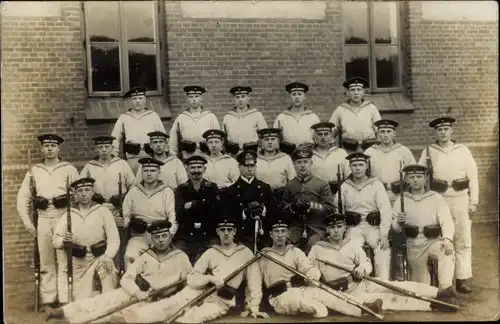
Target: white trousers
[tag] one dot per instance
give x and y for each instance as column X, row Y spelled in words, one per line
column 211, row 308
column 298, row 300
column 53, row 278
column 371, row 234
column 462, row 241
column 417, row 261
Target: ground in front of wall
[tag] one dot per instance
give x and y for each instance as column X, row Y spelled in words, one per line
column 483, row 304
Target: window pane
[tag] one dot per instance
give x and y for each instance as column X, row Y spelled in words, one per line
column 139, row 19
column 142, row 65
column 105, row 62
column 356, row 62
column 387, row 65
column 385, row 22
column 355, row 22
column 102, row 21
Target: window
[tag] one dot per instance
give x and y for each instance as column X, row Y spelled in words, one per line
column 372, row 43
column 122, row 47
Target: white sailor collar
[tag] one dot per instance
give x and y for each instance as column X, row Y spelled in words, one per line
column 393, row 147
column 59, row 164
column 203, row 113
column 237, row 248
column 93, row 208
column 271, row 158
column 351, row 183
column 160, row 187
column 243, row 114
column 330, row 150
column 173, row 252
column 327, row 244
column 426, row 195
column 99, row 164
column 138, row 116
column 303, row 113
column 288, row 247
column 168, row 159
column 348, row 106
column 218, row 158
column 455, row 146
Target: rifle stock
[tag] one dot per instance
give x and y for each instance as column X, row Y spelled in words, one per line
column 124, row 155
column 69, row 251
column 179, row 141
column 339, row 193
column 36, row 253
column 404, row 260
column 121, row 231
column 428, row 162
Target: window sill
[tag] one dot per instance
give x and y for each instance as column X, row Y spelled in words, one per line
column 109, row 109
column 393, row 102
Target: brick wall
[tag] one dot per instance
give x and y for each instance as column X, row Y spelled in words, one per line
column 449, row 65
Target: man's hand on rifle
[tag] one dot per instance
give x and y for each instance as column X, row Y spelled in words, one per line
column 472, row 210
column 401, row 217
column 301, row 205
column 217, row 281
column 68, row 237
column 119, row 221
column 141, row 295
column 358, row 273
column 107, row 263
column 384, row 242
column 308, row 279
column 254, row 312
column 447, row 246
column 31, row 228
column 192, row 204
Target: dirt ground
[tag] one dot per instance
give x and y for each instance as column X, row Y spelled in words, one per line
column 482, row 305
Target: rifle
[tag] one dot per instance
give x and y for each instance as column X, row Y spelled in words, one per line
column 343, row 296
column 36, row 252
column 179, row 142
column 404, row 260
column 69, row 251
column 428, row 161
column 121, row 232
column 339, row 183
column 124, row 155
column 133, row 300
column 210, row 291
column 389, row 285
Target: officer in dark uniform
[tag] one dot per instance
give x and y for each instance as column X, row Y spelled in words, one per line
column 307, row 200
column 249, row 198
column 197, row 205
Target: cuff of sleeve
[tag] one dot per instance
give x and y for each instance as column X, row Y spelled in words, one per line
column 384, row 231
column 448, row 239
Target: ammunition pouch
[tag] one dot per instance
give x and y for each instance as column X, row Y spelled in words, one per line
column 204, row 148
column 439, row 185
column 60, row 201
column 460, row 184
column 411, row 231
column 350, row 144
column 373, row 218
column 226, row 292
column 98, row 198
column 287, row 148
column 365, row 144
column 78, row 251
column 142, row 283
column 352, row 218
column 40, row 202
column 148, row 150
column 116, row 201
column 132, row 148
column 432, row 231
column 138, row 225
column 99, row 248
column 341, row 284
column 278, row 288
column 334, row 186
column 297, row 281
column 188, row 146
column 252, row 146
column 396, row 187
column 232, row 148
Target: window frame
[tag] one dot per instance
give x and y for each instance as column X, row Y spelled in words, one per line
column 123, row 53
column 372, row 60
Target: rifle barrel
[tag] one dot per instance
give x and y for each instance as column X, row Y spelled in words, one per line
column 69, row 252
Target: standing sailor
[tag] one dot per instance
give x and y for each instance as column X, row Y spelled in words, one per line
column 188, row 128
column 273, row 167
column 172, row 172
column 368, row 211
column 132, row 127
column 94, row 241
column 49, row 180
column 146, row 202
column 355, row 117
column 454, row 174
column 221, row 168
column 327, row 157
column 296, row 122
column 386, row 158
column 242, row 123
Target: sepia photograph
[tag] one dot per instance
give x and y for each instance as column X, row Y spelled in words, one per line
column 249, row 161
